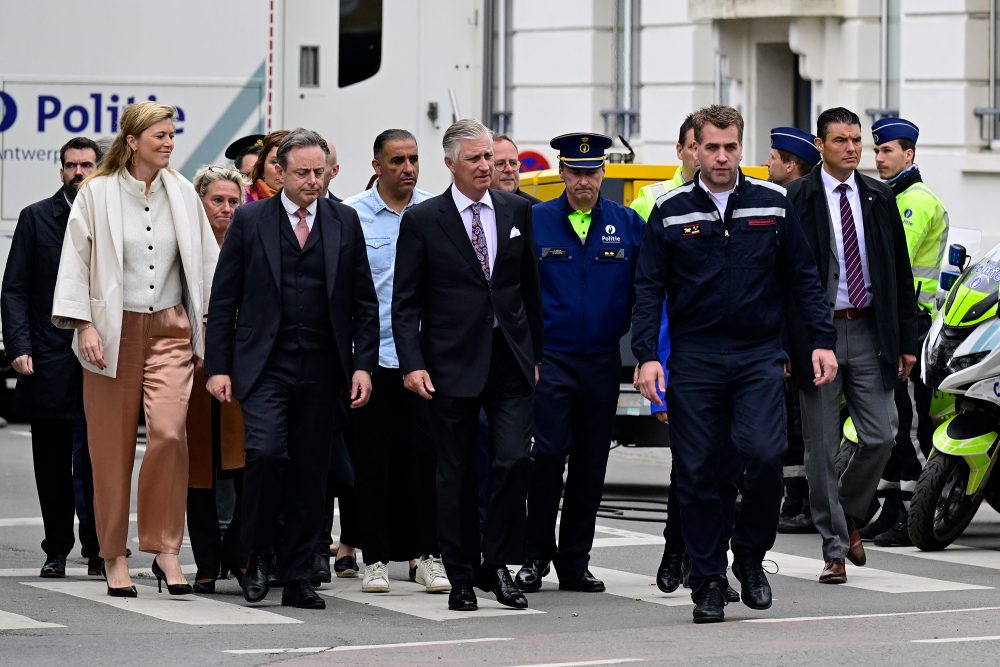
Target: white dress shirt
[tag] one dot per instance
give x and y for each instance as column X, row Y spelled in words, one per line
column 291, row 207
column 830, row 185
column 487, row 217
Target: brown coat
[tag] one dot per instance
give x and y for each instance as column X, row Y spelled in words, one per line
column 199, row 433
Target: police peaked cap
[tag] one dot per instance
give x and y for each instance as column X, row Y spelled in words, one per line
column 243, row 145
column 888, row 129
column 798, row 143
column 582, row 150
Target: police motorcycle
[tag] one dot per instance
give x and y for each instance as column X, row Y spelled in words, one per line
column 961, row 356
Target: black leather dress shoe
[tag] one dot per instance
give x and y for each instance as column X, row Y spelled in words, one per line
column 497, row 580
column 756, row 591
column 711, row 608
column 529, row 577
column 581, row 581
column 462, row 598
column 799, row 524
column 54, row 568
column 320, row 570
column 255, row 582
column 301, row 595
column 668, row 575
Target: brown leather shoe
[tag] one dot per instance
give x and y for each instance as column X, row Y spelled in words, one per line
column 855, row 552
column 833, row 572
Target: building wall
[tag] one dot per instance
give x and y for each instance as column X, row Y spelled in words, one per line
column 563, row 76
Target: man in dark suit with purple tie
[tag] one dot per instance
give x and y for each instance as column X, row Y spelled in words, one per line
column 467, row 323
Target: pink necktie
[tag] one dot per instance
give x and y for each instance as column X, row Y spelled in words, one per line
column 301, row 228
column 852, row 253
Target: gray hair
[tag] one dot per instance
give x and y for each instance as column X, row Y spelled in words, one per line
column 300, row 138
column 463, row 130
column 212, row 173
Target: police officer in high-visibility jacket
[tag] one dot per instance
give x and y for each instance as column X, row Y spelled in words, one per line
column 925, row 222
column 687, row 153
column 587, row 247
column 726, row 251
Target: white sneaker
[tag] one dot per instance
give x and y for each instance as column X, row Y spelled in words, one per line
column 431, row 575
column 376, row 579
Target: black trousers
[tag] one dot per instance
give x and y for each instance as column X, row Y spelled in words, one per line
column 507, row 399
column 52, row 455
column 575, row 403
column 290, row 417
column 394, row 472
column 209, row 547
column 727, row 415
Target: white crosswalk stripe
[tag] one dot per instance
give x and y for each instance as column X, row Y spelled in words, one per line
column 956, row 553
column 409, row 598
column 9, row 621
column 868, row 578
column 186, row 609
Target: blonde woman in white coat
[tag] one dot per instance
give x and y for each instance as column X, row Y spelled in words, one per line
column 134, row 281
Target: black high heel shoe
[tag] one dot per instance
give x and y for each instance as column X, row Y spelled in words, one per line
column 173, row 589
column 123, row 592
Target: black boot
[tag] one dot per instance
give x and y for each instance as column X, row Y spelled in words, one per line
column 711, row 605
column 887, row 518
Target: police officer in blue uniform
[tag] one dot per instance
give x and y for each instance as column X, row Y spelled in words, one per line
column 587, row 247
column 726, row 250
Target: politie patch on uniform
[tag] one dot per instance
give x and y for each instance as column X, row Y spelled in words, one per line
column 691, row 230
column 907, row 213
column 761, row 222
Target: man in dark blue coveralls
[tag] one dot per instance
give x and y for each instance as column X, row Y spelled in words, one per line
column 725, row 250
column 586, row 247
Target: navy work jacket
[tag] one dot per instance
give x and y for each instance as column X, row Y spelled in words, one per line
column 587, row 286
column 725, row 277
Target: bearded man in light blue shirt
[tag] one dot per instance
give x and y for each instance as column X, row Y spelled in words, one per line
column 394, row 462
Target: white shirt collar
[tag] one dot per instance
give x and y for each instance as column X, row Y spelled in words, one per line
column 724, row 193
column 830, row 183
column 462, row 202
column 291, row 207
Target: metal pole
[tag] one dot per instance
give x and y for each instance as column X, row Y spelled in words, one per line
column 883, row 87
column 501, row 17
column 627, row 68
column 992, row 73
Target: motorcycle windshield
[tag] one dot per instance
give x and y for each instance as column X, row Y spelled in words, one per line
column 973, row 299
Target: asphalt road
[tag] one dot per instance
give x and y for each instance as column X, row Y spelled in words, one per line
column 904, row 608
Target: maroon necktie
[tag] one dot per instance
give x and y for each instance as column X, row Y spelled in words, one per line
column 479, row 240
column 301, row 227
column 852, row 253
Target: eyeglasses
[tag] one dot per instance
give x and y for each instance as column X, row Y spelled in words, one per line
column 513, row 164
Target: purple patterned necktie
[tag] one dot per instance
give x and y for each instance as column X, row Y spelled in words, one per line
column 852, row 252
column 479, row 240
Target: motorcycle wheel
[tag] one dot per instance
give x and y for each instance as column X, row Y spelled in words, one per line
column 940, row 509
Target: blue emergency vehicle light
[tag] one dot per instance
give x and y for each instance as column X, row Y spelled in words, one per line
column 947, row 279
column 957, row 256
